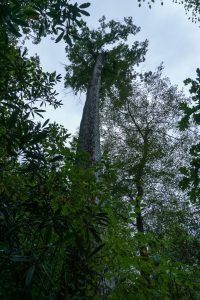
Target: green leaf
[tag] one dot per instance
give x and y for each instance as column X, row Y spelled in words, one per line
column 45, row 123
column 58, row 77
column 184, row 183
column 54, row 30
column 29, row 275
column 59, row 38
column 96, row 250
column 56, row 158
column 40, row 110
column 13, row 30
column 68, row 40
column 85, row 5
column 184, row 171
column 41, row 29
column 79, row 23
column 48, row 234
column 95, row 234
column 85, row 13
column 20, row 258
column 21, row 22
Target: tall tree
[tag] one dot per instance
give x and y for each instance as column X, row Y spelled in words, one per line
column 143, row 123
column 89, row 137
column 99, row 70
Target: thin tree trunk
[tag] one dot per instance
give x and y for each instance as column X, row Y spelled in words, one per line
column 140, row 193
column 89, row 136
column 139, row 185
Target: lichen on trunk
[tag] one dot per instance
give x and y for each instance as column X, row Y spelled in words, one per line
column 89, row 136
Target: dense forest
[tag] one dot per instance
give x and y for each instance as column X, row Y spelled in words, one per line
column 112, row 213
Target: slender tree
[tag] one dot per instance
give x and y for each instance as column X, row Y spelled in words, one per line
column 147, row 149
column 146, row 124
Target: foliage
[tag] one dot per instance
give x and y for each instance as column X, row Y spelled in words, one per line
column 139, row 133
column 190, row 180
column 119, row 58
column 40, row 17
column 56, row 240
column 49, row 223
column 142, row 135
column 191, row 6
column 146, row 151
column 49, row 234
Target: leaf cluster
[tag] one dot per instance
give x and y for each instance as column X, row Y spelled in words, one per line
column 119, row 58
column 191, row 6
column 50, row 225
column 190, row 180
column 40, row 18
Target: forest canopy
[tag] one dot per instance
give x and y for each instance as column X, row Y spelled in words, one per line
column 113, row 212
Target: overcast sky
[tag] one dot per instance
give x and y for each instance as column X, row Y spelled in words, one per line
column 173, row 40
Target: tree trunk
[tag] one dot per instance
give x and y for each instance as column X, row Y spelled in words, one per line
column 89, row 136
column 139, row 185
column 139, row 218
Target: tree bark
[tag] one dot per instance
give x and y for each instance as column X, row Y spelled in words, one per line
column 138, row 181
column 140, row 193
column 144, row 253
column 89, row 136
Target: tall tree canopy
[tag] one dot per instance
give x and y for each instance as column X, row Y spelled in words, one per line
column 98, row 69
column 119, row 58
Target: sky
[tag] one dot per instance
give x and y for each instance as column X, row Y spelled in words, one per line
column 173, row 40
